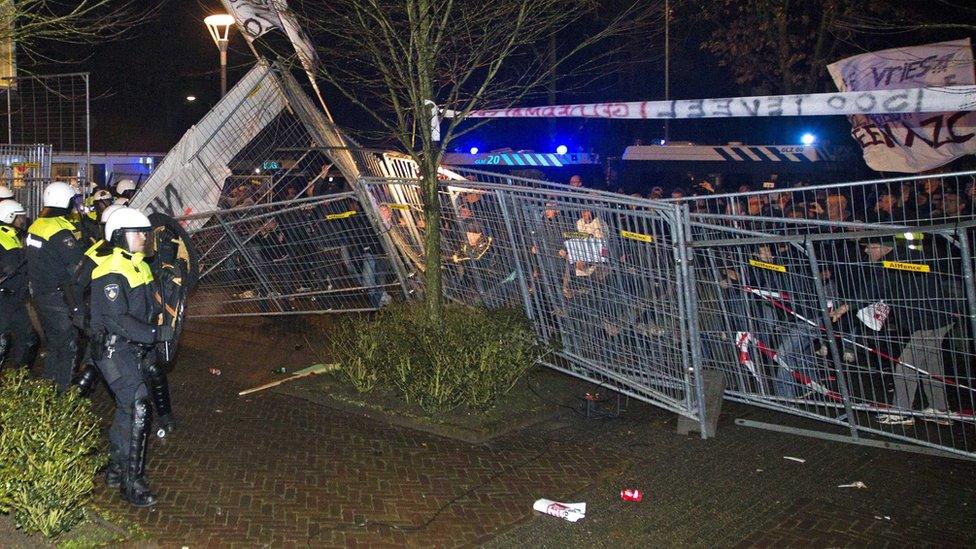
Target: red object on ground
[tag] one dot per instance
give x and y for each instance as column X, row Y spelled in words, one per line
column 631, row 494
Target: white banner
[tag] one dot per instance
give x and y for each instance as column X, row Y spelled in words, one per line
column 932, row 99
column 907, row 142
column 191, row 177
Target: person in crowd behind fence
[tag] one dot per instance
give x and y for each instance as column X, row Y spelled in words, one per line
column 363, row 254
column 18, row 341
column 951, row 208
column 550, row 272
column 475, row 261
column 53, row 251
column 926, row 305
column 884, row 207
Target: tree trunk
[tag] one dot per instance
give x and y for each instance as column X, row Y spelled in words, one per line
column 433, row 295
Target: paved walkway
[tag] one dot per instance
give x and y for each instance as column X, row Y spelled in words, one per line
column 272, row 470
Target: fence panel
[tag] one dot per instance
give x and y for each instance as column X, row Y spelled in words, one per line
column 319, row 255
column 905, row 201
column 868, row 329
column 598, row 274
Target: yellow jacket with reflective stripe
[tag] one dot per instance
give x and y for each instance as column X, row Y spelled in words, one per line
column 9, row 239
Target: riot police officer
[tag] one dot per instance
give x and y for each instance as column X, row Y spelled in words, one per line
column 16, row 331
column 78, row 300
column 125, row 189
column 91, row 222
column 154, row 373
column 124, row 323
column 53, row 251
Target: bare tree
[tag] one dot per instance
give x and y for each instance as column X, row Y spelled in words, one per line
column 782, row 46
column 33, row 23
column 395, row 58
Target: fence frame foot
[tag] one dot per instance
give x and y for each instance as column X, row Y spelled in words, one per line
column 882, row 444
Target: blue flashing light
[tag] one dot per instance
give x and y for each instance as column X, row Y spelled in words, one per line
column 474, row 150
column 562, row 149
column 808, row 139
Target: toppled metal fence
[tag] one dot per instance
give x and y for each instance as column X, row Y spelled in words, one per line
column 603, row 277
column 311, row 255
column 813, row 311
column 851, row 304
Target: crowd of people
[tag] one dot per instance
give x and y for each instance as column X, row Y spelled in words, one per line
column 926, row 200
column 85, row 268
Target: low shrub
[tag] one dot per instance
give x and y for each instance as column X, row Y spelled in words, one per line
column 475, row 357
column 48, row 454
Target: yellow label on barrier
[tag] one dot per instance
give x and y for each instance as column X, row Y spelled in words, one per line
column 575, row 234
column 398, row 206
column 767, row 266
column 913, row 267
column 343, row 215
column 637, row 236
column 254, row 91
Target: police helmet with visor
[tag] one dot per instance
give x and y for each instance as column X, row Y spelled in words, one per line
column 13, row 213
column 131, row 230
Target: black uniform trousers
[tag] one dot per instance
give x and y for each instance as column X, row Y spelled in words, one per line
column 62, row 338
column 124, row 377
column 16, row 324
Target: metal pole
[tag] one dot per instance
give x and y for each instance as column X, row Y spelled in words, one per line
column 667, row 65
column 222, row 44
column 88, row 166
column 831, row 339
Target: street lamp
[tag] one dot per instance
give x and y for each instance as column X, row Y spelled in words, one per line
column 219, row 26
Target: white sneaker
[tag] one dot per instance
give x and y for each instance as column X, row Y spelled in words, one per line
column 895, row 419
column 938, row 417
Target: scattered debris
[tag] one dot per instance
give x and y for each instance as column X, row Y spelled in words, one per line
column 631, row 494
column 883, row 517
column 215, row 371
column 759, row 470
column 566, row 511
column 798, row 460
column 304, row 372
column 857, row 484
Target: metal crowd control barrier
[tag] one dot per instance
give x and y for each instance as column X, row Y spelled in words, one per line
column 872, row 330
column 866, row 325
column 904, row 201
column 317, row 255
column 603, row 277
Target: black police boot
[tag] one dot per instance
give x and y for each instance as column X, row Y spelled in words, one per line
column 135, row 488
column 113, row 472
column 165, row 426
column 86, row 381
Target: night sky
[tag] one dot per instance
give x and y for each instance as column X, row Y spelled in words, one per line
column 140, row 85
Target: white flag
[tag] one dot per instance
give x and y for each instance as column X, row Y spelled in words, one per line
column 300, row 40
column 254, row 17
column 910, row 143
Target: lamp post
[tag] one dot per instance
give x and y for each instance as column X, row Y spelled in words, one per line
column 219, row 26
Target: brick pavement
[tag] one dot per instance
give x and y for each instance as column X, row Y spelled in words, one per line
column 276, row 471
column 272, row 470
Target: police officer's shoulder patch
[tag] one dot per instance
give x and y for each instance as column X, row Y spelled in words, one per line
column 112, row 292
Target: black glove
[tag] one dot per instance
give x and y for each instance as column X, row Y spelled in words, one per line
column 165, row 333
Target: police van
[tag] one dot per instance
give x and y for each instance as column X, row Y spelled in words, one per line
column 683, row 165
